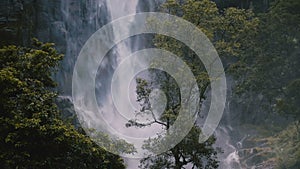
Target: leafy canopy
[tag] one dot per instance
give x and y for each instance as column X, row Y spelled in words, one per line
column 32, row 134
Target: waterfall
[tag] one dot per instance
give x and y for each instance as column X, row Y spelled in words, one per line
column 118, row 9
column 80, row 19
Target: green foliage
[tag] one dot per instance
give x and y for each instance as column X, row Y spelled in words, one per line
column 232, row 31
column 189, row 152
column 286, row 146
column 271, row 65
column 32, row 135
column 283, row 148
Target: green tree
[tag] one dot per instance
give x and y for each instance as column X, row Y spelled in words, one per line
column 32, row 134
column 189, row 152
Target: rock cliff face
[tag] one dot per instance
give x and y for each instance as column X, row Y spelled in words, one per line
column 50, row 21
column 68, row 24
column 11, row 21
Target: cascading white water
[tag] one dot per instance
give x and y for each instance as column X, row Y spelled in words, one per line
column 119, row 9
column 80, row 19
